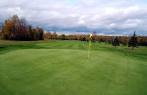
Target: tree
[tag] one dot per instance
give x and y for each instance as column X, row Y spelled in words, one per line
column 17, row 28
column 84, row 39
column 133, row 41
column 115, row 42
column 39, row 32
column 54, row 36
column 6, row 28
column 63, row 37
column 93, row 38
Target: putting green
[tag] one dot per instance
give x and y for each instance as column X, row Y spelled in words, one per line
column 63, row 68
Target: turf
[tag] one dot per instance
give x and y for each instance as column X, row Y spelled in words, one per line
column 63, row 68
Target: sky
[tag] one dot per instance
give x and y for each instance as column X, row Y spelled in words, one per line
column 102, row 16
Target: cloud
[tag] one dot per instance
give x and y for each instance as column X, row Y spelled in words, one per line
column 125, row 15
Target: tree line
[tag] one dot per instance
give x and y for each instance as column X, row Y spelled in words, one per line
column 17, row 28
column 124, row 40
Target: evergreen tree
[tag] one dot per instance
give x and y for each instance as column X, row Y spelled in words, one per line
column 133, row 41
column 63, row 37
column 115, row 42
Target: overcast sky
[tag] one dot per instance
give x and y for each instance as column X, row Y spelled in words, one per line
column 103, row 14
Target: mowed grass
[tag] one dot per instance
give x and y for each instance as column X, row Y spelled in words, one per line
column 63, row 68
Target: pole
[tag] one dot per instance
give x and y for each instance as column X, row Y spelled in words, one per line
column 89, row 46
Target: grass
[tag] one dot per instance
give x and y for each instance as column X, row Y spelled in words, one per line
column 63, row 68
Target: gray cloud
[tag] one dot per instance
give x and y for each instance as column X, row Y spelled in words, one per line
column 125, row 15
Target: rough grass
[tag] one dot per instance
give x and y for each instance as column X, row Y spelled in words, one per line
column 63, row 68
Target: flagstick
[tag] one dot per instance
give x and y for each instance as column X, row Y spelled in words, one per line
column 89, row 47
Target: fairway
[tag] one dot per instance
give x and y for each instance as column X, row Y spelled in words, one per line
column 63, row 68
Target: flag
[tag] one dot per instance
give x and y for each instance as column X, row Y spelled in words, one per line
column 90, row 36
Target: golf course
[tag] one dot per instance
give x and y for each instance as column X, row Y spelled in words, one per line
column 56, row 67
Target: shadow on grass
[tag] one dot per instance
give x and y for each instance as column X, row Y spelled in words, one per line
column 8, row 48
column 137, row 53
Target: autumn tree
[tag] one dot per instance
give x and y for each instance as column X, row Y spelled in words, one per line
column 54, row 36
column 17, row 28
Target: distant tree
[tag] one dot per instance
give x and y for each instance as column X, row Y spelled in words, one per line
column 84, row 39
column 16, row 28
column 54, row 36
column 6, row 28
column 133, row 41
column 47, row 35
column 0, row 34
column 93, row 38
column 115, row 42
column 40, row 33
column 63, row 37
